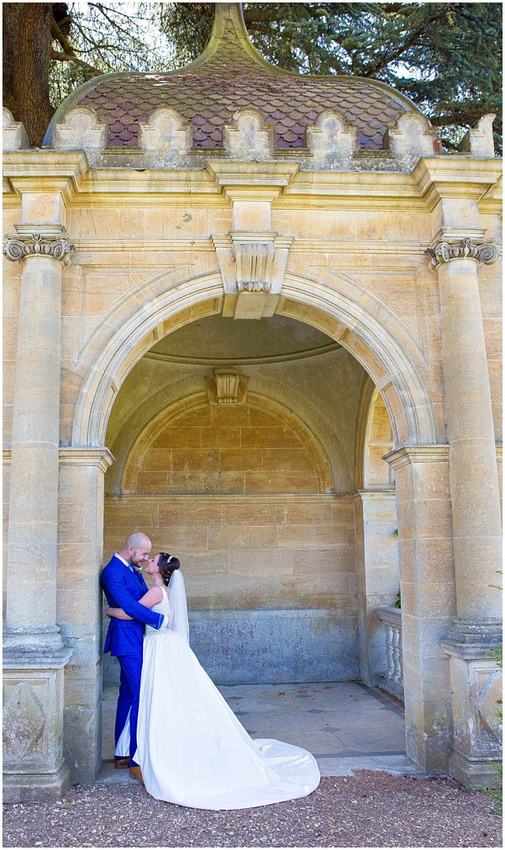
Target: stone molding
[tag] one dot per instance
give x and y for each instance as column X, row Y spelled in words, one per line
column 445, row 250
column 472, row 639
column 377, row 493
column 403, row 455
column 38, row 241
column 99, row 456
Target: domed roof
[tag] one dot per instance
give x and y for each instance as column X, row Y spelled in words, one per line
column 230, row 75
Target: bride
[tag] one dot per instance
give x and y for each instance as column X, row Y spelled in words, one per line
column 191, row 748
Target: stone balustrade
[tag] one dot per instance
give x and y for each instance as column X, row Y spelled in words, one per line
column 391, row 672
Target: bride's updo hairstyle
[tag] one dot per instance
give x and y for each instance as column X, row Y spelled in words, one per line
column 167, row 564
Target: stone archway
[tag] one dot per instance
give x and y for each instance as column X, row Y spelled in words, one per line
column 384, row 348
column 381, row 342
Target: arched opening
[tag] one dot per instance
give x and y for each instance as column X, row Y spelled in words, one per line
column 254, row 494
column 125, row 386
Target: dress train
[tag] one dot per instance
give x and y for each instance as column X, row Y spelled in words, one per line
column 191, row 748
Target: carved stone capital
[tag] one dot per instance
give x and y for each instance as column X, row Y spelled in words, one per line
column 44, row 242
column 446, row 250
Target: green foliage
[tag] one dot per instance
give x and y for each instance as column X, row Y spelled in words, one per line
column 398, row 601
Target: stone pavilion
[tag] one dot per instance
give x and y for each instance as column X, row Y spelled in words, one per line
column 255, row 315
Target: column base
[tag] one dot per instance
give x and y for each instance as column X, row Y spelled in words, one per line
column 474, row 773
column 34, row 768
column 476, row 689
column 36, row 787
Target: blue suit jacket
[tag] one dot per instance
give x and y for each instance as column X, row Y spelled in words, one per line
column 123, row 588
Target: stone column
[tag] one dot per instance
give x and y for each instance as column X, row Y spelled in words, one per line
column 428, row 599
column 79, row 606
column 34, row 654
column 474, row 490
column 378, row 573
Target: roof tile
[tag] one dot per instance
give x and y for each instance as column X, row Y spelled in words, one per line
column 208, row 96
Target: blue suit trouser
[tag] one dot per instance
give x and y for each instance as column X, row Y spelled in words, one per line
column 128, row 699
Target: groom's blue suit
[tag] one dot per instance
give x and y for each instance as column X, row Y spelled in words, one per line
column 123, row 588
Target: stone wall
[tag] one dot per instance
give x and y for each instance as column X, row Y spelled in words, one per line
column 271, row 580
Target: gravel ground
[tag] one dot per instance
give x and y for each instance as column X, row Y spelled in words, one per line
column 369, row 809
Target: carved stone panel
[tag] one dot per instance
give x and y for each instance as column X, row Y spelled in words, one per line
column 24, row 719
column 81, row 130
column 479, row 140
column 249, row 138
column 412, row 138
column 14, row 136
column 166, row 139
column 332, row 142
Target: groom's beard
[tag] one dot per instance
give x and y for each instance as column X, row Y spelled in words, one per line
column 137, row 569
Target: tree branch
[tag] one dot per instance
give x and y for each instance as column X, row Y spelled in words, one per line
column 71, row 57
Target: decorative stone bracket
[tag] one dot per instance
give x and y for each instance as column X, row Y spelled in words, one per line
column 38, row 241
column 226, row 386
column 252, row 266
column 444, row 250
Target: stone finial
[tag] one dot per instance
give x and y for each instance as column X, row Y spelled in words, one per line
column 80, row 130
column 38, row 242
column 166, row 139
column 412, row 138
column 331, row 141
column 14, row 135
column 444, row 250
column 479, row 141
column 249, row 138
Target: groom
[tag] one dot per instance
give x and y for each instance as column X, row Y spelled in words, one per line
column 124, row 585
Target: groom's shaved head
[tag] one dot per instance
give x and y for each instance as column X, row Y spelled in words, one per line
column 136, row 549
column 138, row 540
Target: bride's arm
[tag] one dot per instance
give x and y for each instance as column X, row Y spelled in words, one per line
column 153, row 597
column 118, row 613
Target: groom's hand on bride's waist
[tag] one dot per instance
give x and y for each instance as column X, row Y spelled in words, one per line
column 163, row 624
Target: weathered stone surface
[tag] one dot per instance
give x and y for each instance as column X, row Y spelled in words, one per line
column 280, row 505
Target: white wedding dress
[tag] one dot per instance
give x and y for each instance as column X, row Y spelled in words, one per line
column 191, row 748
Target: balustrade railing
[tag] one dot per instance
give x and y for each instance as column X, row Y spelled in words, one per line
column 391, row 676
